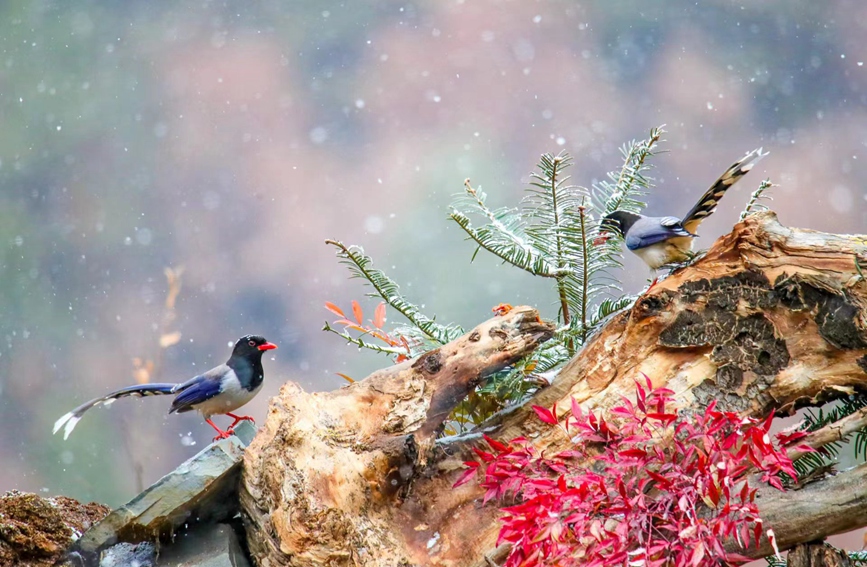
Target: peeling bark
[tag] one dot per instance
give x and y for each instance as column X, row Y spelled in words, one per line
column 324, row 480
column 770, row 318
column 817, row 555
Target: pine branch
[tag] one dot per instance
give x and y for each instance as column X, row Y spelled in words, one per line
column 386, row 289
column 810, row 463
column 630, row 183
column 360, row 343
column 503, row 236
column 756, row 196
column 585, row 255
column 551, row 184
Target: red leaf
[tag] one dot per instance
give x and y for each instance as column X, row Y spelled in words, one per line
column 334, row 309
column 713, row 493
column 495, row 445
column 633, row 453
column 379, row 316
column 359, row 314
column 466, row 476
column 545, row 415
column 487, row 457
column 697, row 555
column 576, row 410
column 663, row 417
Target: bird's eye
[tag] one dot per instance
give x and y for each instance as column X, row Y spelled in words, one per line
column 252, row 343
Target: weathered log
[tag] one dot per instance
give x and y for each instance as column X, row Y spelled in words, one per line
column 817, row 555
column 323, row 479
column 770, row 318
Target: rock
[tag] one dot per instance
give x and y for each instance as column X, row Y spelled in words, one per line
column 205, row 545
column 129, row 555
column 202, row 489
column 36, row 531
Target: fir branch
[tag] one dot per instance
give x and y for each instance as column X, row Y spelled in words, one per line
column 755, row 197
column 585, row 255
column 386, row 289
column 503, row 236
column 360, row 343
column 551, row 187
column 814, row 421
column 631, row 182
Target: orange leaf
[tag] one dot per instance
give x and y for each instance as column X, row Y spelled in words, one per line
column 356, row 310
column 334, row 309
column 345, row 377
column 379, row 315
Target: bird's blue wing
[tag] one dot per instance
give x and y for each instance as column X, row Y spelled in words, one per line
column 652, row 230
column 195, row 391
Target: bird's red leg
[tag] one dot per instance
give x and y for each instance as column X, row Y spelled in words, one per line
column 238, row 419
column 220, row 433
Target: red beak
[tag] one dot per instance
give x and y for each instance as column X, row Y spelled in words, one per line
column 601, row 239
column 267, row 346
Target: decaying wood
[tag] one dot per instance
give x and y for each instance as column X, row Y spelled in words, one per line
column 770, row 318
column 323, row 478
column 834, row 505
column 817, row 555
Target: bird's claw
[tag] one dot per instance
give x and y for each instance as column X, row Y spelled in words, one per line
column 238, row 419
column 224, row 434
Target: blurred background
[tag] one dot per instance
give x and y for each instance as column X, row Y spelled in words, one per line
column 232, row 138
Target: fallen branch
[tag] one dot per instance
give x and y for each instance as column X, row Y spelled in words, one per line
column 771, row 318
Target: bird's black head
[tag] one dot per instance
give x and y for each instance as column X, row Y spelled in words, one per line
column 252, row 346
column 619, row 222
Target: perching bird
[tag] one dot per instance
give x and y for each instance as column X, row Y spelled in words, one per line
column 667, row 240
column 221, row 390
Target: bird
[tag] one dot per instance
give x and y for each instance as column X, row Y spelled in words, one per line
column 220, row 390
column 668, row 240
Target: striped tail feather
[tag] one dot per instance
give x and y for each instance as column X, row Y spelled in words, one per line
column 70, row 420
column 708, row 202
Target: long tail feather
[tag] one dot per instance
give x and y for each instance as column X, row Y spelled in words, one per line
column 70, row 420
column 708, row 202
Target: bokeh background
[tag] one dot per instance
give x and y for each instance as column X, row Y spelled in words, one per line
column 232, row 138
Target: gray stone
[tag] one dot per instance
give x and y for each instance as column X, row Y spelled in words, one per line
column 129, row 555
column 205, row 545
column 202, row 489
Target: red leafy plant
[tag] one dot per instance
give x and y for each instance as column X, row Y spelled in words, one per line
column 653, row 490
column 375, row 329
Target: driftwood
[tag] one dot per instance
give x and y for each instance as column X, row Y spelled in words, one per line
column 771, row 318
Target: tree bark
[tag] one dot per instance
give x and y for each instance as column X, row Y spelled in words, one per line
column 817, row 555
column 771, row 318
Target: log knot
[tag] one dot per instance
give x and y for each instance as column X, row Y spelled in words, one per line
column 429, row 363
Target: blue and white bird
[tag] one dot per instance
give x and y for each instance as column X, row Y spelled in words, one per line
column 218, row 391
column 668, row 240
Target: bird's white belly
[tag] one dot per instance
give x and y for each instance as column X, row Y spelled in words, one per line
column 230, row 398
column 655, row 255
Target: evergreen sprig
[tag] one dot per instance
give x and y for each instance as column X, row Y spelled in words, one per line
column 361, row 266
column 753, row 205
column 504, row 235
column 552, row 235
column 817, row 419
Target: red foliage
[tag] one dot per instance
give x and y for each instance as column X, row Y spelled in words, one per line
column 654, row 490
column 374, row 329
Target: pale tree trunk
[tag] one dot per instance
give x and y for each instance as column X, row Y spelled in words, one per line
column 771, row 318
